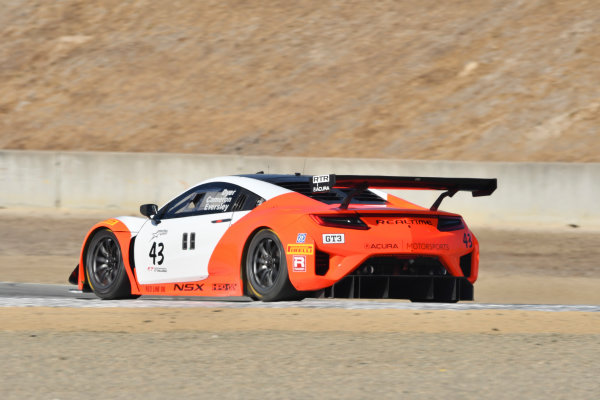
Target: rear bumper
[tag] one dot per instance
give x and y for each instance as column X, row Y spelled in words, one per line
column 415, row 288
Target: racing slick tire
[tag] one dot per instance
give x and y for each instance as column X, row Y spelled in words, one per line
column 266, row 270
column 104, row 267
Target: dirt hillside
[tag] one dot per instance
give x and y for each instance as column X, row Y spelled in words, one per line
column 474, row 79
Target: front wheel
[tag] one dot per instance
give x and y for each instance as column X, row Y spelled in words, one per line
column 104, row 267
column 266, row 269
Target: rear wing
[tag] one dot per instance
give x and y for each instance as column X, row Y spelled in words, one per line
column 360, row 183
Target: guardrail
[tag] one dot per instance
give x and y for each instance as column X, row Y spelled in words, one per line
column 528, row 193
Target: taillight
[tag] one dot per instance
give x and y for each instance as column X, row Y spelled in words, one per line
column 350, row 221
column 446, row 224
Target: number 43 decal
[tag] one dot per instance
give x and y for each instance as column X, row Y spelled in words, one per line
column 467, row 240
column 154, row 255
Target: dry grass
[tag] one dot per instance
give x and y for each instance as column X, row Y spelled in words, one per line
column 475, row 80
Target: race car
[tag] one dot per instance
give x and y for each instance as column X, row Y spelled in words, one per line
column 286, row 237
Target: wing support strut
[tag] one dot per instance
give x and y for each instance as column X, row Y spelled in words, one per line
column 441, row 197
column 358, row 189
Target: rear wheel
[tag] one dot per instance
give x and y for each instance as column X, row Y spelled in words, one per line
column 266, row 269
column 104, row 267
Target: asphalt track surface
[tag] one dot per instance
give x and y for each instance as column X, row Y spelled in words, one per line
column 46, row 295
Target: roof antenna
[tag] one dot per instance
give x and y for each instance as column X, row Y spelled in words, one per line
column 304, row 166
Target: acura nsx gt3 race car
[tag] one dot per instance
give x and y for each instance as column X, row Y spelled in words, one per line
column 285, row 237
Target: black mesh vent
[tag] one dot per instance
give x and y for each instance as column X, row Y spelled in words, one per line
column 397, row 266
column 465, row 265
column 321, row 263
column 239, row 203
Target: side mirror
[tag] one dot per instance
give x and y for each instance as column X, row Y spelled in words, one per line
column 148, row 210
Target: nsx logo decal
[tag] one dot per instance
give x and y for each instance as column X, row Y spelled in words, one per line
column 301, row 238
column 299, row 263
column 331, row 238
column 306, row 249
column 188, row 287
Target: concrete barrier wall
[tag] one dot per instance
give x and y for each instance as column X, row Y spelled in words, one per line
column 528, row 193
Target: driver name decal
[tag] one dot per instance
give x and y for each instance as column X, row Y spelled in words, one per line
column 219, row 201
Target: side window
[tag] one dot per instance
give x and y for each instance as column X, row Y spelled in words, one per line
column 211, row 198
column 247, row 201
column 188, row 203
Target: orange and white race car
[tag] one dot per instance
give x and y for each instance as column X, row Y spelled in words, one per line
column 284, row 237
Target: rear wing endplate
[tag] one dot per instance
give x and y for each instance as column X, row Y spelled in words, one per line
column 360, row 183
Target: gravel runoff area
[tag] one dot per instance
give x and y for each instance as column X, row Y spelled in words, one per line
column 58, row 353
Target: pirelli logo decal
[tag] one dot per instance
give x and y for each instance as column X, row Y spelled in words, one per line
column 302, row 249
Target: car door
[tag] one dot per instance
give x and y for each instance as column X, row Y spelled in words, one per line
column 178, row 246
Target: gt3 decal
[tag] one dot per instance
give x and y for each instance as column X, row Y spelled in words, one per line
column 306, row 249
column 331, row 238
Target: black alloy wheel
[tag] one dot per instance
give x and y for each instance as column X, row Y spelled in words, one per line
column 266, row 268
column 106, row 259
column 104, row 267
